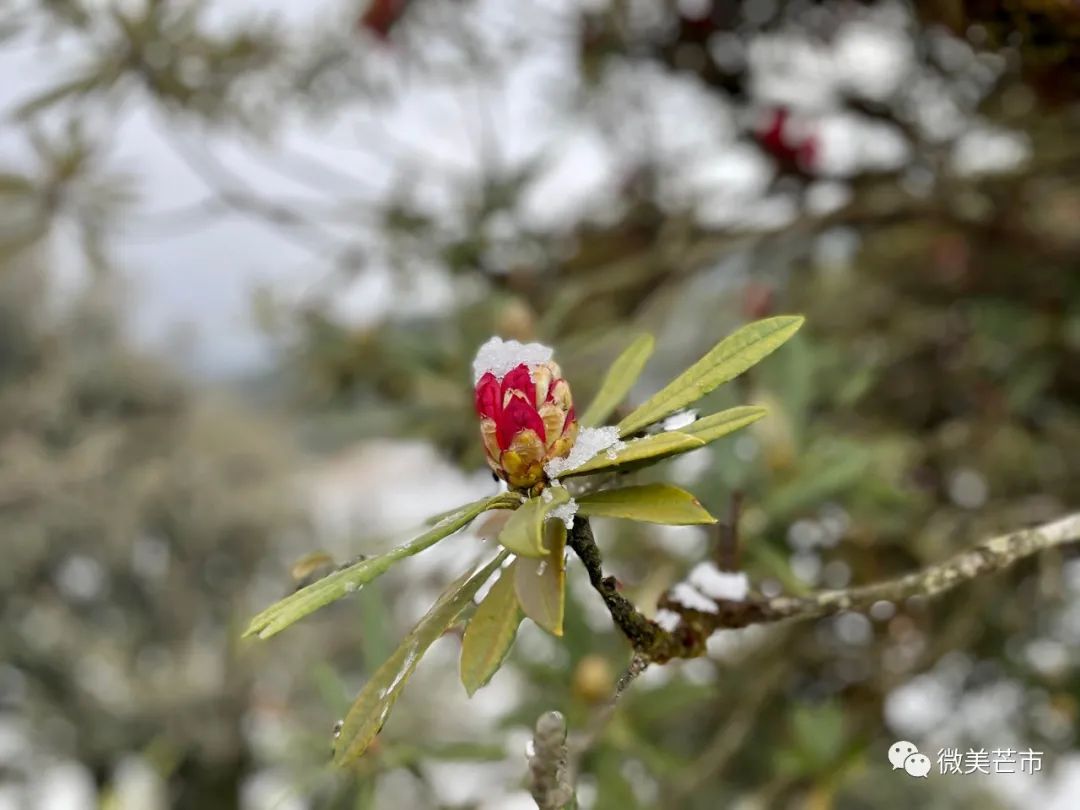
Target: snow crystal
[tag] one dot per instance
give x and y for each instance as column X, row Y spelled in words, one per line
column 590, row 441
column 667, row 619
column 565, row 512
column 686, row 595
column 500, row 356
column 717, row 584
column 613, row 451
column 679, row 420
column 546, row 495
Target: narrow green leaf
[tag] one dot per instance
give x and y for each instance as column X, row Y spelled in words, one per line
column 712, row 427
column 336, row 585
column 651, row 449
column 728, row 359
column 505, row 500
column 490, row 633
column 372, row 706
column 651, row 503
column 540, row 584
column 619, row 380
column 523, row 533
column 639, row 452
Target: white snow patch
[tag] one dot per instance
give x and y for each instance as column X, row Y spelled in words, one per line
column 500, row 356
column 985, row 150
column 590, row 441
column 667, row 619
column 688, row 596
column 872, row 60
column 679, row 420
column 565, row 512
column 717, row 584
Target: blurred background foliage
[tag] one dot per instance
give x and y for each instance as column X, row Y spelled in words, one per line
column 932, row 399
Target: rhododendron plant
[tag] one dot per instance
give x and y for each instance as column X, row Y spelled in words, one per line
column 548, row 457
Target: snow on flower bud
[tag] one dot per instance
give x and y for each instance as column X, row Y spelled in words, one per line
column 526, row 413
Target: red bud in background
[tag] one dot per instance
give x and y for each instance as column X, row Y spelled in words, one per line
column 381, row 16
column 794, row 147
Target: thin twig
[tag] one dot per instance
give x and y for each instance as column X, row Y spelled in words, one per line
column 727, row 541
column 586, row 740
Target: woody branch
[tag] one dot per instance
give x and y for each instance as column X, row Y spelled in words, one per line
column 688, row 637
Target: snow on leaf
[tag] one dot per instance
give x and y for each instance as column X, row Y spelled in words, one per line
column 590, row 441
column 565, row 512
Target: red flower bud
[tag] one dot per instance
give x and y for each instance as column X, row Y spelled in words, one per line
column 526, row 419
column 794, row 146
column 381, row 16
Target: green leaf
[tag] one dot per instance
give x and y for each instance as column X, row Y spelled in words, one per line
column 651, row 503
column 372, row 706
column 505, row 500
column 639, row 452
column 707, row 429
column 729, row 358
column 523, row 533
column 539, row 584
column 336, row 585
column 619, row 380
column 712, row 427
column 490, row 633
